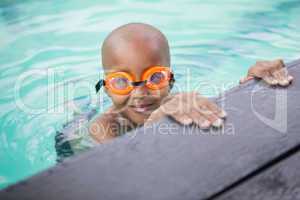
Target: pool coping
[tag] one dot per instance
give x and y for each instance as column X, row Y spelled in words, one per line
column 152, row 168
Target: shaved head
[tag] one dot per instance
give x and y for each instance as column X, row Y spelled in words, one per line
column 132, row 41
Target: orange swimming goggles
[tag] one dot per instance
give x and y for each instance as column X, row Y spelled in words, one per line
column 122, row 83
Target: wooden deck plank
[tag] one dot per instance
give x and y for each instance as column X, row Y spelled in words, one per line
column 280, row 182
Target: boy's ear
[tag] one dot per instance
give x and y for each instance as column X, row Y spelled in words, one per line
column 105, row 90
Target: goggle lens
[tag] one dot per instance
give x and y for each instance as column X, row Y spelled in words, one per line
column 122, row 83
column 119, row 83
column 157, row 78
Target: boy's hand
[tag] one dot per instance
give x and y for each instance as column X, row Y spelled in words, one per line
column 272, row 72
column 188, row 108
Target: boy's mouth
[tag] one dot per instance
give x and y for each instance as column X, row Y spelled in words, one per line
column 143, row 108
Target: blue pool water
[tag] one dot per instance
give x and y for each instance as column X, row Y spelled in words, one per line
column 50, row 59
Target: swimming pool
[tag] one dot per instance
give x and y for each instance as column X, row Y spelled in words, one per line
column 49, row 59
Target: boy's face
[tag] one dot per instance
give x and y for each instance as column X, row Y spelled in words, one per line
column 135, row 58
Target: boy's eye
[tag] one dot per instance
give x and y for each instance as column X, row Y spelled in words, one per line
column 119, row 83
column 157, row 77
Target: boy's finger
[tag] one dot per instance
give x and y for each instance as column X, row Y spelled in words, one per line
column 218, row 123
column 281, row 76
column 207, row 110
column 290, row 78
column 214, row 119
column 283, row 82
column 245, row 79
column 202, row 122
column 182, row 119
column 270, row 80
column 209, row 115
column 216, row 110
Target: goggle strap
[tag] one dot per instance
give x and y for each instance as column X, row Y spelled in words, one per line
column 138, row 83
column 172, row 77
column 99, row 84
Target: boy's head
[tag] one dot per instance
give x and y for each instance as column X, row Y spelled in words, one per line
column 134, row 48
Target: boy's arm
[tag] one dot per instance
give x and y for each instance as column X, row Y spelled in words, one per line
column 104, row 127
column 188, row 108
column 272, row 72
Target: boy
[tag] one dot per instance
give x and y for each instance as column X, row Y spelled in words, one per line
column 136, row 63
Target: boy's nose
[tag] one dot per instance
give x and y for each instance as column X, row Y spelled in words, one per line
column 139, row 91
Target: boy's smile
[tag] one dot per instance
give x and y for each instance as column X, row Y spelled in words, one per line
column 143, row 107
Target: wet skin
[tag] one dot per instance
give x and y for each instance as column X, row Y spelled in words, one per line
column 135, row 47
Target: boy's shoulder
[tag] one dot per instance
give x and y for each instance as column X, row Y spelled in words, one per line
column 108, row 125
